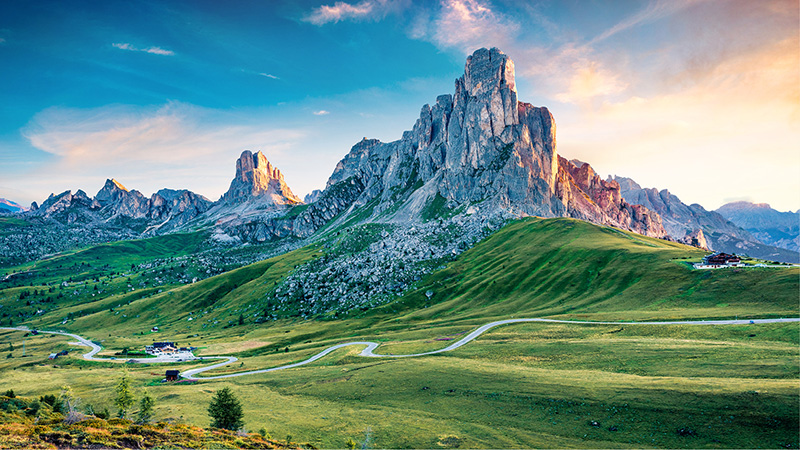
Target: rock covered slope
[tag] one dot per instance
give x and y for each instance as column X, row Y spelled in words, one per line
column 681, row 220
column 479, row 148
column 772, row 227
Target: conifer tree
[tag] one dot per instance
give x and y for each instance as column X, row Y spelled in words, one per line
column 226, row 410
column 146, row 405
column 124, row 399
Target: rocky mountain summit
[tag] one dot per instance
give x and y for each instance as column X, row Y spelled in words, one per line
column 257, row 196
column 479, row 149
column 772, row 227
column 256, row 178
column 685, row 223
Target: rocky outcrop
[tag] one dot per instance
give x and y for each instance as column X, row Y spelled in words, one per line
column 681, row 220
column 590, row 198
column 696, row 239
column 480, row 147
column 116, row 200
column 772, row 227
column 254, row 207
column 312, row 196
column 257, row 178
column 68, row 208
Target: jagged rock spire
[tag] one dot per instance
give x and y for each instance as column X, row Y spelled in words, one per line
column 257, row 177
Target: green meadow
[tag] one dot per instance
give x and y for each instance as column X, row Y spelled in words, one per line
column 516, row 386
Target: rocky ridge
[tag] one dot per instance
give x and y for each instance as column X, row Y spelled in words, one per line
column 479, row 147
column 685, row 222
column 115, row 205
column 772, row 227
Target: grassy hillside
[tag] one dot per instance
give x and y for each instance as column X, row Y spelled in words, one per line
column 530, row 385
column 570, row 268
column 99, row 260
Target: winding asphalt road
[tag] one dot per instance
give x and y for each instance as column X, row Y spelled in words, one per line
column 370, row 347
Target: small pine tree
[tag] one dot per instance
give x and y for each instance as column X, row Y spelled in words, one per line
column 67, row 400
column 145, row 408
column 241, row 319
column 226, row 410
column 124, row 399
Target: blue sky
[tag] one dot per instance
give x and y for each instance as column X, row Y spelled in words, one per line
column 167, row 94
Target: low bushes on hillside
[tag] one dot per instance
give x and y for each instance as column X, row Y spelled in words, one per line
column 29, row 423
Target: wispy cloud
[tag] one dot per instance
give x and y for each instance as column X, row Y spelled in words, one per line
column 152, row 50
column 268, row 75
column 321, row 112
column 465, row 25
column 656, row 10
column 364, row 10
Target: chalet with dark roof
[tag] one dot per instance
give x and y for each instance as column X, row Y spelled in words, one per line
column 721, row 260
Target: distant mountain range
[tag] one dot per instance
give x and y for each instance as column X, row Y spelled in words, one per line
column 7, row 206
column 781, row 229
column 478, row 155
column 680, row 220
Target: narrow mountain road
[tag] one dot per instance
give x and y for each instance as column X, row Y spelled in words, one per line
column 370, row 347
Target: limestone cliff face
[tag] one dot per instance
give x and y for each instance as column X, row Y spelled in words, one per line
column 256, row 177
column 116, row 200
column 590, row 198
column 479, row 146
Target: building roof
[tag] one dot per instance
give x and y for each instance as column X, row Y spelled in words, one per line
column 721, row 258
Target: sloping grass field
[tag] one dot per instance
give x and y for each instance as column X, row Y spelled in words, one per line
column 517, row 386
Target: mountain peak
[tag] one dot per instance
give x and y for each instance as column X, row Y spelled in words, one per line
column 117, row 184
column 112, row 191
column 255, row 177
column 486, row 69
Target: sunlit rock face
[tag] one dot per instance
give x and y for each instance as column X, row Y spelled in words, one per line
column 257, row 177
column 478, row 146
